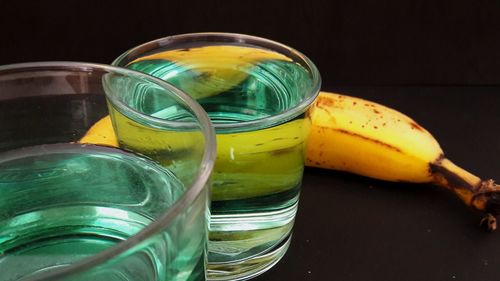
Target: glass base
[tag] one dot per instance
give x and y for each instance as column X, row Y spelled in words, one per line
column 249, row 268
column 242, row 246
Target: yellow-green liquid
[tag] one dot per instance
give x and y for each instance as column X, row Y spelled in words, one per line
column 258, row 171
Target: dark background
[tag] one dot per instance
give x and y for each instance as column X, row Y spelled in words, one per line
column 370, row 42
column 437, row 61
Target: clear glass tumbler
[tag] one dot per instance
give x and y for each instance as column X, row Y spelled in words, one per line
column 256, row 92
column 79, row 204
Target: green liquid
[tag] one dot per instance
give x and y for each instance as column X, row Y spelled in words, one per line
column 258, row 171
column 241, row 90
column 62, row 203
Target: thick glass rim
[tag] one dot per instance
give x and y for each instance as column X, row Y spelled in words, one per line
column 221, row 37
column 163, row 221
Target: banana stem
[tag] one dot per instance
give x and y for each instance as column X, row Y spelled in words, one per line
column 482, row 195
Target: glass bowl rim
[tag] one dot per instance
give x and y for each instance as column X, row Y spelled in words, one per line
column 183, row 202
column 223, row 37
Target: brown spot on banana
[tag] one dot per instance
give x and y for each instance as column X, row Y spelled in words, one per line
column 324, row 103
column 366, row 138
column 415, row 126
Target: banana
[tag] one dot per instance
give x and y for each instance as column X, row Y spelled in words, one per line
column 101, row 133
column 210, row 70
column 362, row 137
column 365, row 138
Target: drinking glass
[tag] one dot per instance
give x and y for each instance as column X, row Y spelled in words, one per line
column 256, row 93
column 77, row 204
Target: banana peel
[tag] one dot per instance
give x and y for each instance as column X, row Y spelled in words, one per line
column 362, row 137
column 101, row 133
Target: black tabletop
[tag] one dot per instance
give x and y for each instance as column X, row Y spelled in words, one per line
column 354, row 228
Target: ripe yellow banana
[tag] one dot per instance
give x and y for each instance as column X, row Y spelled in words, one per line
column 101, row 133
column 362, row 137
column 366, row 138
